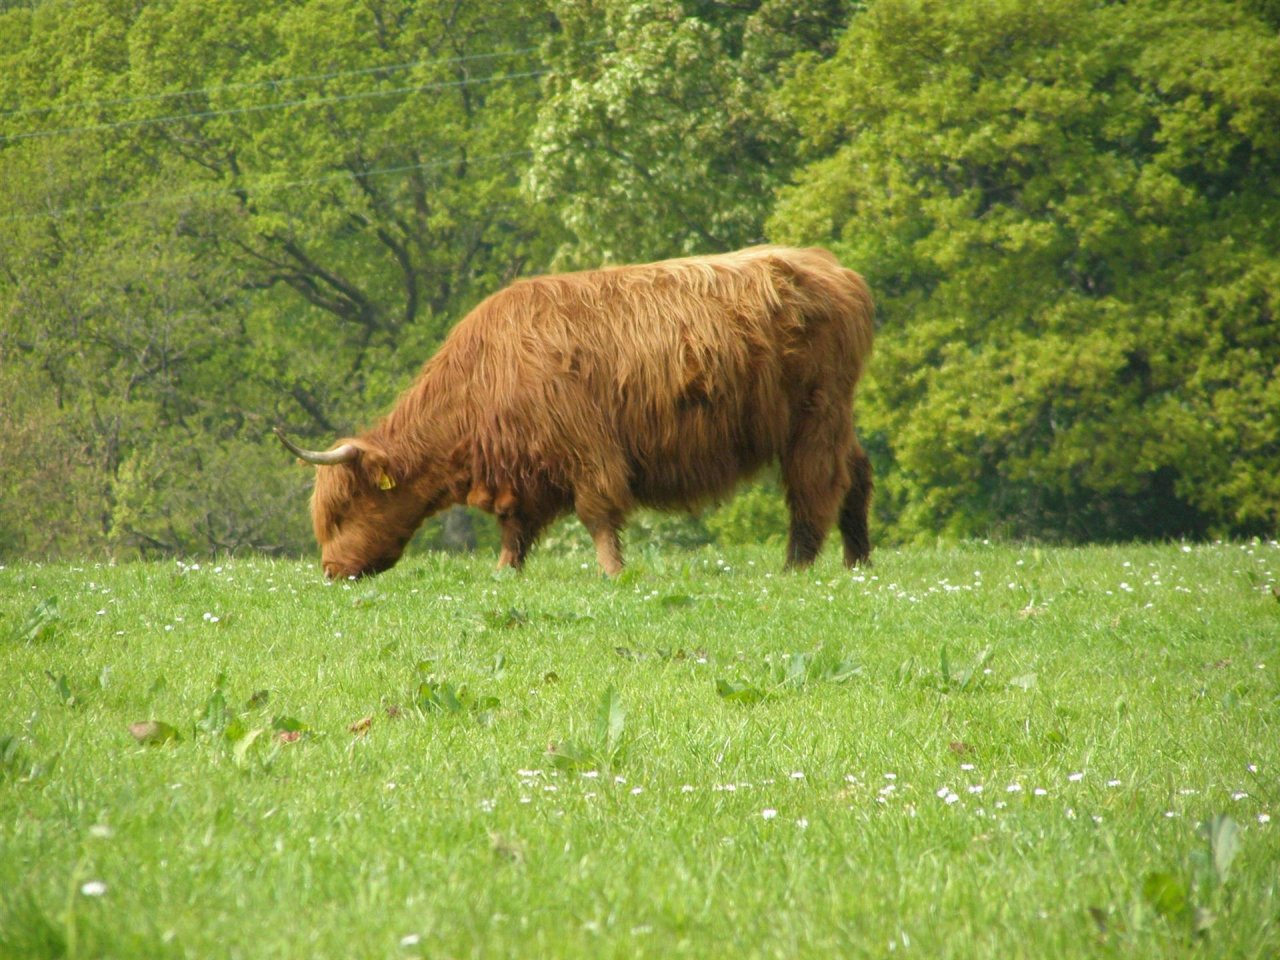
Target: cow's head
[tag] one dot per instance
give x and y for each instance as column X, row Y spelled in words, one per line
column 363, row 514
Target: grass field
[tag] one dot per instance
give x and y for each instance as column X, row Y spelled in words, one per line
column 982, row 751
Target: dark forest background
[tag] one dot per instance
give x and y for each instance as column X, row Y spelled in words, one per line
column 219, row 217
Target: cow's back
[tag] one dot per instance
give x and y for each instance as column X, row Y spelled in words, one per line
column 686, row 374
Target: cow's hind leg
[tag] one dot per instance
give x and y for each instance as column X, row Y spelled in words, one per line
column 603, row 526
column 815, row 473
column 853, row 512
column 603, row 523
column 602, row 500
column 518, row 535
column 608, row 548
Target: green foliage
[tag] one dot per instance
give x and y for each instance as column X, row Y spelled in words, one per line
column 433, row 693
column 757, row 514
column 176, row 498
column 1068, row 212
column 41, row 624
column 1192, row 898
column 960, row 679
column 14, row 762
column 602, row 746
column 790, row 672
column 26, row 931
column 657, row 137
column 220, row 219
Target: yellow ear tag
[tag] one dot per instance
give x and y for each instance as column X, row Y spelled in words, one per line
column 386, row 483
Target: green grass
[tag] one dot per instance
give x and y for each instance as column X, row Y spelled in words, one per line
column 979, row 752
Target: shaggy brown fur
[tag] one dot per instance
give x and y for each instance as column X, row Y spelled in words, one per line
column 659, row 385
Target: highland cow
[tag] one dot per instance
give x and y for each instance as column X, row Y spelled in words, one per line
column 657, row 385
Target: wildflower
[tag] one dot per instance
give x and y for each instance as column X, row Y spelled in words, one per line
column 94, row 888
column 768, row 813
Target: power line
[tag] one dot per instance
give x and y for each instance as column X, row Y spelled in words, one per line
column 264, row 84
column 278, row 105
column 64, row 212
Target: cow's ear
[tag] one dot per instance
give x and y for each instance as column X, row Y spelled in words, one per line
column 374, row 466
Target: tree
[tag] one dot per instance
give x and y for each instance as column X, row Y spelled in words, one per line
column 366, row 155
column 1070, row 214
column 225, row 218
column 656, row 138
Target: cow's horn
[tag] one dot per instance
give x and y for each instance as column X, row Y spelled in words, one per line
column 348, row 451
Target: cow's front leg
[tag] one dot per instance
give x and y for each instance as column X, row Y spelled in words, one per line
column 516, row 535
